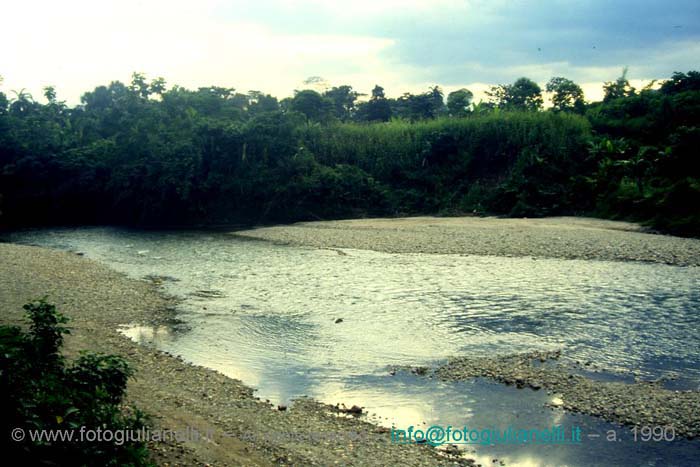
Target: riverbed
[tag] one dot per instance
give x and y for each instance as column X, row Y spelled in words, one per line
column 330, row 323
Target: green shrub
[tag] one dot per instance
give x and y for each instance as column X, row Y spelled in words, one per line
column 40, row 392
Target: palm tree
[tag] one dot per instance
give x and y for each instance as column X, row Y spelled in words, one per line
column 22, row 102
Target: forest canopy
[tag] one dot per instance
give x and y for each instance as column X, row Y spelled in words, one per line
column 144, row 153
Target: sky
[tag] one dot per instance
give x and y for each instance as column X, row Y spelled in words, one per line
column 402, row 45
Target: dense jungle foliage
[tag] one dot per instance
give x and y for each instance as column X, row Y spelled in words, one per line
column 143, row 154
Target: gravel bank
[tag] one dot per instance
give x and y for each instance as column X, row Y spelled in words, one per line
column 555, row 237
column 245, row 431
column 640, row 404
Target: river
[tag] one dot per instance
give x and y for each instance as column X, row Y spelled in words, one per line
column 293, row 321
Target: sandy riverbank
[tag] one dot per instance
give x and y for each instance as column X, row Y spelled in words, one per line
column 555, row 237
column 246, row 431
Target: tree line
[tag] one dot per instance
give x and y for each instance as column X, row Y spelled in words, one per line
column 145, row 154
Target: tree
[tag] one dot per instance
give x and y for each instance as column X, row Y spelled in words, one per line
column 567, row 95
column 3, row 100
column 524, row 94
column 619, row 88
column 22, row 103
column 437, row 101
column 128, row 155
column 419, row 106
column 459, row 102
column 99, row 99
column 378, row 107
column 139, row 85
column 158, row 86
column 682, row 82
column 413, row 106
column 312, row 104
column 50, row 94
column 343, row 98
column 260, row 103
column 3, row 103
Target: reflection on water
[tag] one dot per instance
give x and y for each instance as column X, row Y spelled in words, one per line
column 268, row 315
column 149, row 335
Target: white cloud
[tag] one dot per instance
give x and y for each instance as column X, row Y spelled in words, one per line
column 77, row 45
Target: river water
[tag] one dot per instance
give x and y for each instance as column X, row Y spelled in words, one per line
column 270, row 315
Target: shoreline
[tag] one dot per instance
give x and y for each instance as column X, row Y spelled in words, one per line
column 640, row 404
column 176, row 394
column 566, row 238
column 98, row 300
column 551, row 237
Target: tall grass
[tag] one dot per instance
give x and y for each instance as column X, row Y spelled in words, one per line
column 438, row 162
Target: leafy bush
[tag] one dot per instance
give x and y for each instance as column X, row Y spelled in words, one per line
column 40, row 392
